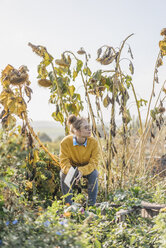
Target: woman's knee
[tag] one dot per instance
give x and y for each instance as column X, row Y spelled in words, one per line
column 95, row 173
column 92, row 176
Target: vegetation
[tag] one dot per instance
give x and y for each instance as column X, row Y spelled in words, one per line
column 44, row 137
column 32, row 209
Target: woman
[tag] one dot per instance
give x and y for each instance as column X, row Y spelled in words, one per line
column 80, row 150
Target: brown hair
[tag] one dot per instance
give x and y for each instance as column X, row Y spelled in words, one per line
column 75, row 122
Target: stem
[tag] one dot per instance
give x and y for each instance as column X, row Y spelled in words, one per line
column 155, row 177
column 124, row 141
column 54, row 158
column 108, row 71
column 125, row 59
column 72, row 54
column 118, row 58
column 139, row 114
column 112, row 120
column 110, row 138
column 152, row 90
column 101, row 117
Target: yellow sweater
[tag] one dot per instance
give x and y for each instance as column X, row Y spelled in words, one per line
column 72, row 155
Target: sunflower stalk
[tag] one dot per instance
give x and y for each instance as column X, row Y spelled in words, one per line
column 60, row 97
column 152, row 93
column 25, row 117
column 110, row 140
column 93, row 119
column 100, row 116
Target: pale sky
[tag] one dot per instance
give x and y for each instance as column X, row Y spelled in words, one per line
column 70, row 24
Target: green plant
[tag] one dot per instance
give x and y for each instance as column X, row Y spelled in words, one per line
column 160, row 228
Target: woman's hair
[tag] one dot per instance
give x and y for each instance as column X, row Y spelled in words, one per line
column 75, row 122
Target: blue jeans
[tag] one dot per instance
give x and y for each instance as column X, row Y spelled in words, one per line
column 92, row 187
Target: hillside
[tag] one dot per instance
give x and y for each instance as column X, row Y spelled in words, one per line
column 52, row 129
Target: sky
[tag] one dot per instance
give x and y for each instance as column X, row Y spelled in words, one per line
column 71, row 24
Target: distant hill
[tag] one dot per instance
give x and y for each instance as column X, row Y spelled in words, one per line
column 52, row 129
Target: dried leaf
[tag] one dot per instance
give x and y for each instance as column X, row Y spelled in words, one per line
column 91, row 92
column 87, row 71
column 65, row 59
column 156, row 79
column 3, row 97
column 97, row 75
column 127, row 116
column 75, row 74
column 57, row 109
column 108, row 52
column 30, row 143
column 43, row 73
column 42, row 52
column 99, row 51
column 106, row 101
column 131, row 54
column 11, row 105
column 18, row 106
column 131, row 68
column 2, row 114
column 153, row 114
column 71, row 90
column 23, row 130
column 8, row 122
column 58, row 117
column 164, row 90
column 6, row 71
column 28, row 92
column 162, row 45
column 69, row 60
column 47, row 59
column 79, row 65
column 114, row 149
column 117, row 100
column 113, row 133
column 152, row 135
column 159, row 62
column 161, row 110
column 36, row 49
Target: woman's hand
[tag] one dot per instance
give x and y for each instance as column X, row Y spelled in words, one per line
column 78, row 177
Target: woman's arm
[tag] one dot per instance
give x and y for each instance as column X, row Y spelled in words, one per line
column 64, row 158
column 93, row 162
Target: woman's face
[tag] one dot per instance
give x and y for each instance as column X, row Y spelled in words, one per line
column 84, row 131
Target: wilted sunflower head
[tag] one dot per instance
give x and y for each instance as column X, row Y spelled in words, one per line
column 61, row 62
column 81, row 51
column 17, row 78
column 23, row 69
column 44, row 83
column 163, row 32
